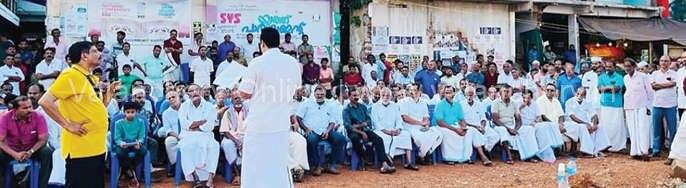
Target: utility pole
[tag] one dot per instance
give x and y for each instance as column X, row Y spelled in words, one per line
column 345, row 31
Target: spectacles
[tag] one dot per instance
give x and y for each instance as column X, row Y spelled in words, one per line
column 551, row 90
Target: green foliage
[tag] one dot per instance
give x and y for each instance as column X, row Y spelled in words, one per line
column 678, row 10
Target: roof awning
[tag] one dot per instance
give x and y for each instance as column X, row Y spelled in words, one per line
column 651, row 29
column 8, row 15
column 30, row 12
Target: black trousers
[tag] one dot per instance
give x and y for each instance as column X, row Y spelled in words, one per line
column 377, row 144
column 43, row 155
column 86, row 172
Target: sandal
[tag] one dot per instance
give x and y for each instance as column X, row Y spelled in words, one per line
column 510, row 162
column 236, row 181
column 488, row 163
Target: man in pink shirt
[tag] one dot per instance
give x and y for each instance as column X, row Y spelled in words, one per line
column 664, row 106
column 23, row 136
column 637, row 104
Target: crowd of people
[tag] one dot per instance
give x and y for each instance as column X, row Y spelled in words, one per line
column 457, row 112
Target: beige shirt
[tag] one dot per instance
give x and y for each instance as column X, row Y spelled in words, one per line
column 505, row 111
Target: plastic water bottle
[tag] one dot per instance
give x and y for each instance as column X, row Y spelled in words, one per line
column 562, row 176
column 571, row 167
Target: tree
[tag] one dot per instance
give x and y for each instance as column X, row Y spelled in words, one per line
column 678, row 10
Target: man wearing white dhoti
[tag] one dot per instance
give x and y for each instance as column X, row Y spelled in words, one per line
column 637, row 104
column 582, row 113
column 458, row 137
column 548, row 133
column 297, row 143
column 232, row 129
column 389, row 126
column 415, row 114
column 475, row 116
column 610, row 85
column 171, row 127
column 199, row 151
column 319, row 124
column 271, row 96
column 509, row 126
column 550, row 110
column 589, row 80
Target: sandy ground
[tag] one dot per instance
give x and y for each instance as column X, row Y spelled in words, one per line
column 612, row 171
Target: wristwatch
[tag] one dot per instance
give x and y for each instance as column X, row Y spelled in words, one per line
column 31, row 151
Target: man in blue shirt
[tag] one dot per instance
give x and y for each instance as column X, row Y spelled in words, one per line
column 567, row 84
column 476, row 77
column 428, row 79
column 358, row 124
column 225, row 47
column 610, row 85
column 570, row 54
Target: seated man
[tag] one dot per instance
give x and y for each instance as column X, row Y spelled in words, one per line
column 389, row 126
column 359, row 127
column 27, row 142
column 458, row 137
column 128, row 138
column 415, row 115
column 593, row 138
column 233, row 129
column 199, row 150
column 534, row 114
column 509, row 126
column 475, row 116
column 319, row 124
column 171, row 127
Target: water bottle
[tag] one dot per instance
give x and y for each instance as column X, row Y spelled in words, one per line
column 562, row 176
column 571, row 167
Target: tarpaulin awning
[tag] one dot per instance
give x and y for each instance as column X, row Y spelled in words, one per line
column 650, row 29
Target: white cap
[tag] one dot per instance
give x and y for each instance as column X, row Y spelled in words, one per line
column 536, row 62
column 137, row 91
column 596, row 59
column 642, row 64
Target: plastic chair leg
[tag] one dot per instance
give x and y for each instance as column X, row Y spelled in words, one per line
column 114, row 170
column 354, row 161
column 177, row 172
column 147, row 170
column 35, row 171
column 228, row 172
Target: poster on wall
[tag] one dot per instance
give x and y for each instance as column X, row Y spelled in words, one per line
column 297, row 17
column 380, row 39
column 75, row 21
column 146, row 23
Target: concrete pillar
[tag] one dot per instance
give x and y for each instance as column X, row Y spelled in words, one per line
column 573, row 37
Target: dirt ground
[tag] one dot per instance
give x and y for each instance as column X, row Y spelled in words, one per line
column 612, row 171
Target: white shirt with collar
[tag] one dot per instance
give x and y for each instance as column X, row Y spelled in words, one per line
column 271, row 93
column 170, row 122
column 415, row 109
column 584, row 111
column 123, row 59
column 681, row 96
column 474, row 113
column 6, row 71
column 664, row 98
column 248, row 50
column 188, row 113
column 505, row 78
column 48, row 68
column 386, row 116
column 317, row 117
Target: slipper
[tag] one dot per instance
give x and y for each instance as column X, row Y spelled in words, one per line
column 488, row 163
column 510, row 162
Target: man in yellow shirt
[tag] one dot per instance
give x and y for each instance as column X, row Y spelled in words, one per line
column 77, row 105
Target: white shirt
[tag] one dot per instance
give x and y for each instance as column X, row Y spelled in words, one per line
column 230, row 74
column 188, row 113
column 666, row 97
column 54, row 129
column 61, row 49
column 224, row 65
column 584, row 111
column 638, row 93
column 413, row 109
column 248, row 50
column 451, row 81
column 386, row 117
column 530, row 113
column 681, row 96
column 590, row 80
column 473, row 114
column 317, row 117
column 6, row 71
column 271, row 93
column 46, row 68
column 122, row 60
column 505, row 79
column 201, row 71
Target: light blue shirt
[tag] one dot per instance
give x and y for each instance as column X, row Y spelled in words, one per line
column 317, row 117
column 153, row 67
column 170, row 123
column 567, row 87
column 611, row 99
column 451, row 114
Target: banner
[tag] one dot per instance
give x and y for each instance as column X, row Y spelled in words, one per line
column 297, row 17
column 146, row 23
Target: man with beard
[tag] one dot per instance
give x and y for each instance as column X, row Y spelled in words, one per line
column 287, row 46
column 233, row 130
column 611, row 85
column 171, row 127
column 415, row 115
column 156, row 67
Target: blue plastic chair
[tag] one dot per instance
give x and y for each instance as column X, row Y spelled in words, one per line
column 355, row 158
column 114, row 161
column 34, row 171
column 436, row 156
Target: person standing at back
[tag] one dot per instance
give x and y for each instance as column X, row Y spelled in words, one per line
column 265, row 161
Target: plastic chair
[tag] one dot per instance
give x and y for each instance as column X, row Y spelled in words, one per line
column 34, row 171
column 178, row 171
column 355, row 158
column 114, row 161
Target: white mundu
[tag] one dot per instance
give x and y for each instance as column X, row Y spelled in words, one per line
column 638, row 99
column 547, row 132
column 268, row 130
column 474, row 114
column 387, row 117
column 525, row 141
column 591, row 143
column 199, row 150
column 426, row 141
